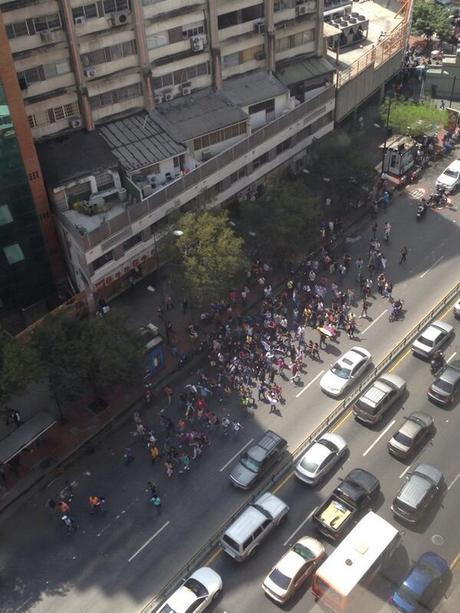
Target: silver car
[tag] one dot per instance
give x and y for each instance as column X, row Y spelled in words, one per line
column 377, row 399
column 320, row 457
column 432, row 339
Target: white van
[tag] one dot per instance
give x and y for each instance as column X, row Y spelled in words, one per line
column 247, row 531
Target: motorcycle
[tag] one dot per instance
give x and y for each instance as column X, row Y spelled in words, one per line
column 396, row 311
column 438, row 198
column 436, row 363
column 421, row 210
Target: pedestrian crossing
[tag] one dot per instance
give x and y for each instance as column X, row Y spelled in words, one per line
column 416, row 194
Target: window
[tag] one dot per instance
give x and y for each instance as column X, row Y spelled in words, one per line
column 55, row 70
column 32, row 121
column 302, row 38
column 260, row 161
column 87, row 10
column 13, row 253
column 283, row 146
column 109, row 54
column 111, row 6
column 282, row 43
column 233, row 59
column 103, row 259
column 219, row 135
column 17, row 4
column 157, row 40
column 227, row 20
column 267, row 105
column 193, row 29
column 5, row 215
column 133, row 240
column 34, row 26
column 116, row 95
column 15, row 30
column 163, row 81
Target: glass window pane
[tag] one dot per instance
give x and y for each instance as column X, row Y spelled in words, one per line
column 13, row 253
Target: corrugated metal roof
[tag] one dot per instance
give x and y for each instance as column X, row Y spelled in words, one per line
column 304, row 70
column 253, row 87
column 140, row 140
column 205, row 111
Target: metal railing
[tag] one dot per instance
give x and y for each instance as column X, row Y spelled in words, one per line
column 287, row 466
column 171, row 191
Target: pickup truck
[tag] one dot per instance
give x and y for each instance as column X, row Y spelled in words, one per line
column 346, row 504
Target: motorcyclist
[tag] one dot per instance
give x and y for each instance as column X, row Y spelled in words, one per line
column 96, row 503
column 437, row 360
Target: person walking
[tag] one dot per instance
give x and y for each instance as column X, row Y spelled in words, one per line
column 168, row 392
column 404, row 253
column 128, row 456
column 365, row 306
column 151, row 488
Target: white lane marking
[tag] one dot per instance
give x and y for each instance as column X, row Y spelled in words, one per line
column 431, row 267
column 454, row 481
column 149, row 541
column 308, row 384
column 404, row 471
column 451, row 357
column 378, row 438
column 236, row 454
column 300, row 526
column 375, row 321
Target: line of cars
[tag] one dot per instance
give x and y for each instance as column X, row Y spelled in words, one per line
column 348, row 502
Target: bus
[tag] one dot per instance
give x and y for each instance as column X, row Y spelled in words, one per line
column 355, row 562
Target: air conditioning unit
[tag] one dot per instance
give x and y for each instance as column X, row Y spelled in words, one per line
column 90, row 73
column 197, row 43
column 186, row 90
column 260, row 55
column 169, row 96
column 259, row 27
column 47, row 36
column 301, row 10
column 120, row 18
column 79, row 21
column 158, row 99
column 75, row 122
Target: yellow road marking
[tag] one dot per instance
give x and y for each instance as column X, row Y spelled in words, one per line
column 455, row 562
column 215, row 555
column 342, row 420
column 283, row 482
column 399, row 360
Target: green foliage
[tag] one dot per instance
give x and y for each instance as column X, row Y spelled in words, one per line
column 431, row 18
column 341, row 159
column 284, row 220
column 414, row 118
column 19, row 367
column 211, row 254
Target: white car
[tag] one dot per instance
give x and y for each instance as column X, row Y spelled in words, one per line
column 432, row 339
column 345, row 371
column 320, row 457
column 196, row 594
column 450, row 178
column 457, row 309
column 293, row 569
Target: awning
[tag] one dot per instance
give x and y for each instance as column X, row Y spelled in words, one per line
column 304, row 70
column 25, row 435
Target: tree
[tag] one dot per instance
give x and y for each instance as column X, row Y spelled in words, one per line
column 285, row 220
column 431, row 18
column 211, row 255
column 340, row 168
column 413, row 118
column 19, row 366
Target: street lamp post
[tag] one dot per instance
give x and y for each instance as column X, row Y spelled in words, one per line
column 386, row 134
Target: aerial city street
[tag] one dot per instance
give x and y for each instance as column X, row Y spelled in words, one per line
column 230, row 306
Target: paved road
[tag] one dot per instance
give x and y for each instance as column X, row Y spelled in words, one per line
column 120, row 560
column 242, row 591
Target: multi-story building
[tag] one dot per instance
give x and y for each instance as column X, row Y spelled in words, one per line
column 144, row 107
column 29, row 250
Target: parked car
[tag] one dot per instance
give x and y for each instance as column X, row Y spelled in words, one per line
column 421, row 488
column 449, row 179
column 320, row 457
column 446, row 387
column 432, row 339
column 377, row 399
column 252, row 526
column 423, row 585
column 347, row 503
column 195, row 594
column 255, row 462
column 345, row 371
column 414, row 432
column 294, row 568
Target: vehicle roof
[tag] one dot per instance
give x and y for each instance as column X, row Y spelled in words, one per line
column 455, row 165
column 419, row 578
column 316, row 453
column 411, row 427
column 354, row 355
column 334, row 438
column 366, row 480
column 268, row 441
column 429, row 471
column 414, row 490
column 346, row 566
column 250, row 519
column 451, row 374
column 374, row 395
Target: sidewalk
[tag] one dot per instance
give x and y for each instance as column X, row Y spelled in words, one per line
column 64, row 442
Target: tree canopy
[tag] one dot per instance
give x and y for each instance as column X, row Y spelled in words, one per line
column 431, row 18
column 212, row 256
column 414, row 118
column 19, row 366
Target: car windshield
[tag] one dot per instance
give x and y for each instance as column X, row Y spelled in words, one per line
column 403, row 439
column 445, row 386
column 450, row 173
column 341, row 371
column 408, row 595
column 304, row 552
column 196, row 587
column 329, row 445
column 425, row 341
column 250, row 463
column 279, row 579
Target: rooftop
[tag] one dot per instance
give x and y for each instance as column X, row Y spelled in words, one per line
column 203, row 112
column 140, row 140
column 255, row 86
column 72, row 156
column 303, row 70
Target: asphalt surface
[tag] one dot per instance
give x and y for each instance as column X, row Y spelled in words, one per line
column 120, row 560
column 436, row 532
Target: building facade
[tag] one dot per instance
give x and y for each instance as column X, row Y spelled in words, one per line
column 141, row 108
